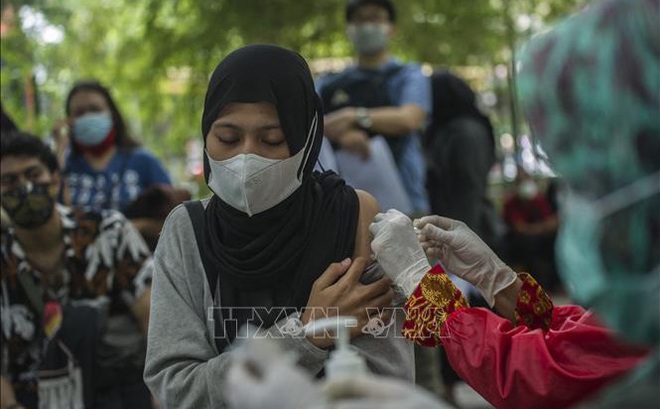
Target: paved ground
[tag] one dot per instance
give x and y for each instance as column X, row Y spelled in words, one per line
column 467, row 398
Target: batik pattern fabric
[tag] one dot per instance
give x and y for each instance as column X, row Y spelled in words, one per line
column 534, row 306
column 105, row 262
column 436, row 298
column 429, row 306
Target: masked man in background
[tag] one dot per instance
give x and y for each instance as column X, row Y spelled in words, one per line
column 74, row 291
column 379, row 95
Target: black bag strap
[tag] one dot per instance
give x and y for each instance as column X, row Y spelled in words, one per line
column 196, row 212
column 369, row 87
column 33, row 291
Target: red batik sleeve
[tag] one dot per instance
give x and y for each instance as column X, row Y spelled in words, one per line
column 434, row 299
column 519, row 367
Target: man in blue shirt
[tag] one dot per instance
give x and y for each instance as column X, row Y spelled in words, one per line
column 379, row 95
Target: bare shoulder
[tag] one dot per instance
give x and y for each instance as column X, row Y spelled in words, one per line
column 368, row 203
column 369, row 208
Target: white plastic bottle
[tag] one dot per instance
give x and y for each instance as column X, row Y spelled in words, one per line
column 343, row 360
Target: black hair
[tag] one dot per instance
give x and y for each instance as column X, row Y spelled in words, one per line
column 122, row 138
column 353, row 5
column 23, row 144
column 6, row 123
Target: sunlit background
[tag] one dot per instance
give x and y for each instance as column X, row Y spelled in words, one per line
column 156, row 55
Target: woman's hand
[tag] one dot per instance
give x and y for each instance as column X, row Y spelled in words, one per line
column 463, row 253
column 338, row 291
column 397, row 250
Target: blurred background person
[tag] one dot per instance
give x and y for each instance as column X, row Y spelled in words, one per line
column 379, row 95
column 154, row 204
column 75, row 290
column 459, row 145
column 532, row 223
column 104, row 168
column 7, row 126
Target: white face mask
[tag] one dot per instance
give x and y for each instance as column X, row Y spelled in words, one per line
column 528, row 190
column 253, row 184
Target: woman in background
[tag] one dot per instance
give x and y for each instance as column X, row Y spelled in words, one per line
column 104, row 167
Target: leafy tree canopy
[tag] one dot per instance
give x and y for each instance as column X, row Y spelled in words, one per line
column 156, row 55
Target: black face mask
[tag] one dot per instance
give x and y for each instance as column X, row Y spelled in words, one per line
column 29, row 205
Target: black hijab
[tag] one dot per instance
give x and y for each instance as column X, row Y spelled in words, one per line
column 452, row 99
column 274, row 257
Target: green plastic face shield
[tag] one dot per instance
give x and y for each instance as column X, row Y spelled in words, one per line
column 591, row 91
column 629, row 303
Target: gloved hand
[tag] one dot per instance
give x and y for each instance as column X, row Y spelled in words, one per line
column 463, row 253
column 372, row 392
column 262, row 375
column 397, row 250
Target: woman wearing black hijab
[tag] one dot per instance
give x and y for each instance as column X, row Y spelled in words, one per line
column 275, row 235
column 460, row 148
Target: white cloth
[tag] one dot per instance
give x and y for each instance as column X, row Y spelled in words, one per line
column 377, row 175
column 263, row 375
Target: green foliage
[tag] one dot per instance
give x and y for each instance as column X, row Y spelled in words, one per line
column 156, row 55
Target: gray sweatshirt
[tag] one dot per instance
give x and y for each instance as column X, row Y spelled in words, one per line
column 183, row 368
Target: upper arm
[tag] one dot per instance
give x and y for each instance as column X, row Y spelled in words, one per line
column 416, row 89
column 182, row 367
column 414, row 115
column 140, row 309
column 411, row 95
column 388, row 354
column 369, row 208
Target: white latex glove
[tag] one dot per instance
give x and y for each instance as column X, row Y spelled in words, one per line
column 463, row 253
column 397, row 250
column 262, row 375
column 372, row 392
